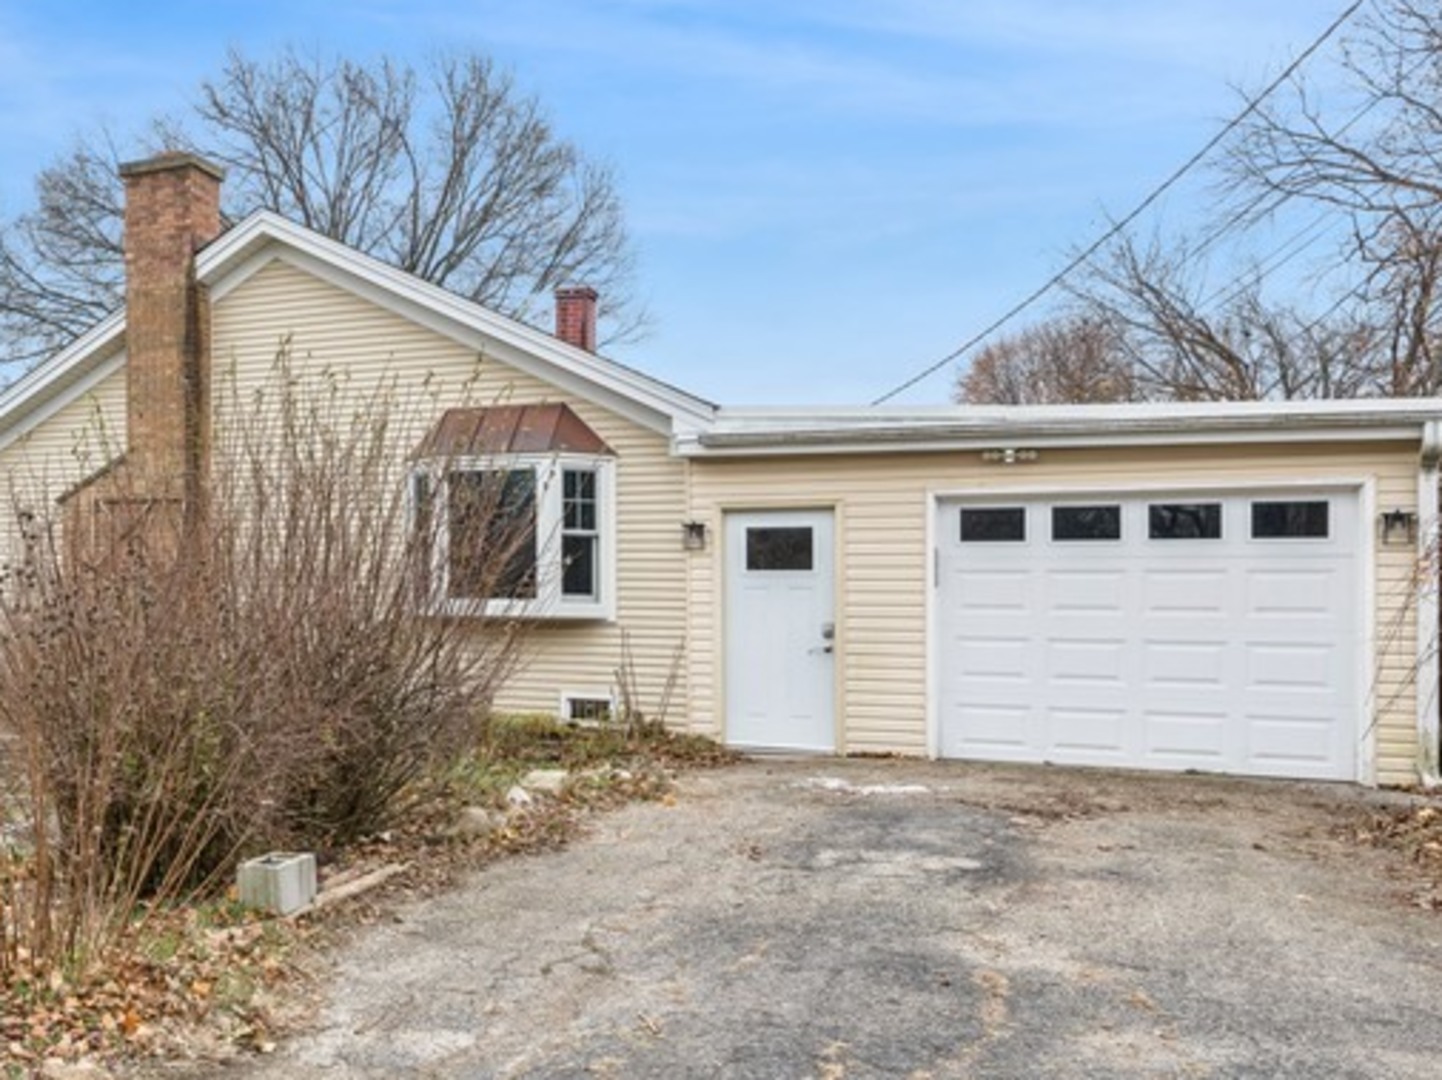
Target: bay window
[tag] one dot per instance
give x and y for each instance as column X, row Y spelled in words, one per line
column 518, row 536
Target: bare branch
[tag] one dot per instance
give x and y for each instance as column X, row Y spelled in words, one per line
column 451, row 173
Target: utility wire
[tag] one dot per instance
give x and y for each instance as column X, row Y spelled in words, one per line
column 1056, row 279
column 1254, row 208
column 1287, row 251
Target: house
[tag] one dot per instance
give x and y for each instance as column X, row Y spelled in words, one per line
column 1224, row 587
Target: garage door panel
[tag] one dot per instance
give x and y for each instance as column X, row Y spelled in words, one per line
column 994, row 590
column 994, row 730
column 1188, row 665
column 1294, row 592
column 1186, row 740
column 1291, row 666
column 1087, row 662
column 1087, row 734
column 1221, row 653
column 1189, row 592
column 996, row 659
column 1089, row 592
column 1293, row 745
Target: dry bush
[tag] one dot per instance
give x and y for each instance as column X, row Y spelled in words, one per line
column 177, row 689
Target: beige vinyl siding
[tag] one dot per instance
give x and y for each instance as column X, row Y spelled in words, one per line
column 59, row 452
column 329, row 330
column 882, row 503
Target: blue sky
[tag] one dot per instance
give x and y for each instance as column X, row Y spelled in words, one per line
column 826, row 196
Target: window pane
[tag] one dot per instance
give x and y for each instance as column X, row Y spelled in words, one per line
column 598, row 709
column 578, row 574
column 1184, row 521
column 1086, row 522
column 979, row 526
column 423, row 523
column 492, row 525
column 1281, row 519
column 578, row 499
column 778, row 549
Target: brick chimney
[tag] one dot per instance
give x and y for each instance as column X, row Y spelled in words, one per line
column 576, row 316
column 172, row 209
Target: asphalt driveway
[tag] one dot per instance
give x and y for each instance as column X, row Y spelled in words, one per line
column 854, row 919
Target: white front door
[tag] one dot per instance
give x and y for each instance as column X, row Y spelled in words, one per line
column 780, row 630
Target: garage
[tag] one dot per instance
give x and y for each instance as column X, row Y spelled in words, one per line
column 1212, row 631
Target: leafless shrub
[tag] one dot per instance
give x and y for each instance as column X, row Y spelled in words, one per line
column 258, row 671
column 632, row 716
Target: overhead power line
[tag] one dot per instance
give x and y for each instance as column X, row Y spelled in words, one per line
column 1056, row 279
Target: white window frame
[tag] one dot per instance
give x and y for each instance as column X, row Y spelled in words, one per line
column 549, row 601
column 568, row 697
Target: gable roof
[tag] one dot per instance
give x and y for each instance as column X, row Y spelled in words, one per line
column 244, row 249
column 264, row 236
column 699, row 427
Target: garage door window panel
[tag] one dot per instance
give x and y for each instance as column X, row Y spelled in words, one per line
column 1184, row 521
column 991, row 525
column 1086, row 523
column 1290, row 520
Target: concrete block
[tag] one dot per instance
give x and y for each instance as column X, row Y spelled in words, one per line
column 281, row 882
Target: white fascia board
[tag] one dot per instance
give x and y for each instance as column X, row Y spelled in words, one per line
column 701, row 446
column 60, row 379
column 41, row 407
column 753, row 431
column 652, row 402
column 767, row 418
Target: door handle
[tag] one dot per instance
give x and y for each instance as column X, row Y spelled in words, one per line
column 828, row 635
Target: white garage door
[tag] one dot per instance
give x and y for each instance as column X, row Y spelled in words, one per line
column 1217, row 633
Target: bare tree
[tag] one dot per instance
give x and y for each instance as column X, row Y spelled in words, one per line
column 1187, row 341
column 1073, row 359
column 451, row 173
column 1373, row 166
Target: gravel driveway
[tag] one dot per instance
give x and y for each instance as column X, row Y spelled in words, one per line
column 906, row 919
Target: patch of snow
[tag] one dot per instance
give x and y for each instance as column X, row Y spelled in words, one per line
column 832, row 783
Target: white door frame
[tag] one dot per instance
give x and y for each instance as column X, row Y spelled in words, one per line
column 722, row 564
column 1364, row 487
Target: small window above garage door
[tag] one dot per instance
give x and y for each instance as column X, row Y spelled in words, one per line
column 1184, row 521
column 993, row 524
column 1100, row 522
column 1290, row 520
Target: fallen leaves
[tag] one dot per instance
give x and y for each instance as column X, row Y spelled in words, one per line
column 1413, row 831
column 206, row 980
column 208, row 968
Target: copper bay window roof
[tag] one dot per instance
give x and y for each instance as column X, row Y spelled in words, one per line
column 510, row 429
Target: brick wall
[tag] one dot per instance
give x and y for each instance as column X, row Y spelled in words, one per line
column 172, row 209
column 576, row 316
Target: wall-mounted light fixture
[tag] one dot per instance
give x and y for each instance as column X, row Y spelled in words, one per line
column 693, row 535
column 1399, row 527
column 1008, row 455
